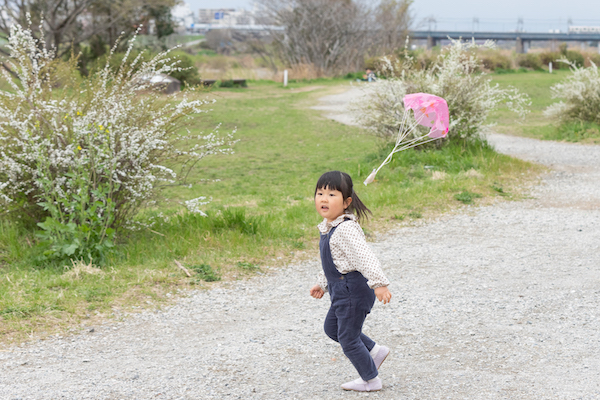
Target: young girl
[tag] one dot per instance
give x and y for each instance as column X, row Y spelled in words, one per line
column 352, row 275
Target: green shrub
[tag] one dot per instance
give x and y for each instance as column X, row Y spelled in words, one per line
column 188, row 74
column 575, row 57
column 529, row 60
column 231, row 84
column 547, row 57
column 493, row 60
column 185, row 70
column 555, row 57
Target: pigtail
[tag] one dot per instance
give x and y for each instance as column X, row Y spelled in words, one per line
column 358, row 208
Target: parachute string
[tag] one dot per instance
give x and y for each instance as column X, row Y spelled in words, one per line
column 421, row 102
column 402, row 134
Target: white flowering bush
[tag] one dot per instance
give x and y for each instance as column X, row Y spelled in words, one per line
column 194, row 205
column 581, row 94
column 455, row 76
column 79, row 157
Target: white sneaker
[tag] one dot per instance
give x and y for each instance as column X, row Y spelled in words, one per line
column 381, row 356
column 359, row 385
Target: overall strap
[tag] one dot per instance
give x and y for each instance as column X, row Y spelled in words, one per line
column 329, row 268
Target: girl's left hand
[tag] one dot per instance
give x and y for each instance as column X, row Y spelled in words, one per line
column 383, row 294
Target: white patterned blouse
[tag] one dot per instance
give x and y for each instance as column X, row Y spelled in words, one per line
column 351, row 252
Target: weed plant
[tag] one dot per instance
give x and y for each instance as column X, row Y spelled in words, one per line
column 466, row 197
column 205, row 273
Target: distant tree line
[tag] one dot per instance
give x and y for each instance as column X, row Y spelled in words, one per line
column 67, row 24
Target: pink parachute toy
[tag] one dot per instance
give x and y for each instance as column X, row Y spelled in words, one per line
column 430, row 111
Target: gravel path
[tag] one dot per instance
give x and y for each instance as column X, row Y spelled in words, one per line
column 496, row 302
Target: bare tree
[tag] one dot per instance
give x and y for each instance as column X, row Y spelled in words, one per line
column 262, row 45
column 329, row 34
column 109, row 18
column 220, row 40
column 60, row 17
column 335, row 35
column 391, row 21
column 67, row 23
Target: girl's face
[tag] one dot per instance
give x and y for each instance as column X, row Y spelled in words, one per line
column 330, row 204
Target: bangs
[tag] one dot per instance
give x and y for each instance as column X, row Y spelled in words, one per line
column 334, row 180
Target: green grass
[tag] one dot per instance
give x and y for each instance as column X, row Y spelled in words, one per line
column 537, row 85
column 585, row 132
column 261, row 214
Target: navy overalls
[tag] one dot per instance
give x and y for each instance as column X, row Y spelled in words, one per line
column 351, row 301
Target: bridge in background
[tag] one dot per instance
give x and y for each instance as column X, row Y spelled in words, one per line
column 522, row 39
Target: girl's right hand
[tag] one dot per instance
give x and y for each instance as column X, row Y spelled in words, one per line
column 316, row 292
column 383, row 294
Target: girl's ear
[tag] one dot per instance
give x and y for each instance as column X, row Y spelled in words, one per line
column 347, row 202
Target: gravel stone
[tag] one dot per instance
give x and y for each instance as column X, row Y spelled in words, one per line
column 494, row 302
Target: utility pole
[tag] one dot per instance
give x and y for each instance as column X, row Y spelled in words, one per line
column 475, row 22
column 431, row 20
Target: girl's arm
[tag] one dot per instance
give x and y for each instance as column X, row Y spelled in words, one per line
column 320, row 288
column 322, row 281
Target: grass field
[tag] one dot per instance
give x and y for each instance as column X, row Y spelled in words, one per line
column 261, row 214
column 537, row 85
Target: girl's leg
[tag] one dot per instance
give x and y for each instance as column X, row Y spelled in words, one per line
column 369, row 343
column 331, row 324
column 350, row 322
column 331, row 329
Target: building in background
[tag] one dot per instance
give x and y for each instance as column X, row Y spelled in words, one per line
column 254, row 20
column 183, row 18
column 226, row 17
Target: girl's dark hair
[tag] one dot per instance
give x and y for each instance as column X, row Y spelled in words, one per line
column 337, row 180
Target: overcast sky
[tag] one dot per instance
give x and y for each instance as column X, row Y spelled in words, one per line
column 537, row 15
